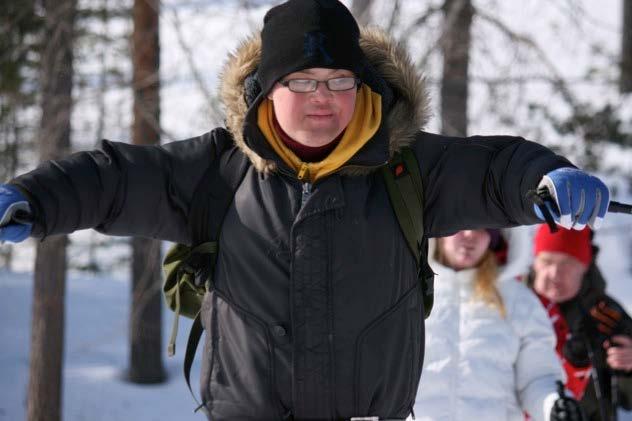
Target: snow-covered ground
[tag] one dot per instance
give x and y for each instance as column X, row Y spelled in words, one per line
column 96, row 355
column 97, row 307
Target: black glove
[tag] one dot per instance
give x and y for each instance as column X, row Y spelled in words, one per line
column 607, row 316
column 566, row 408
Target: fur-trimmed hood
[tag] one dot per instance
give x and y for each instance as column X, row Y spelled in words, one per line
column 407, row 113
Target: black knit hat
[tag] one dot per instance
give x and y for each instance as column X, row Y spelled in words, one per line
column 301, row 34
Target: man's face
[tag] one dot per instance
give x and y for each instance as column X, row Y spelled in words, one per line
column 314, row 118
column 558, row 276
column 465, row 249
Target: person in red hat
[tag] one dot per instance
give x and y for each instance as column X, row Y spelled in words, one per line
column 594, row 333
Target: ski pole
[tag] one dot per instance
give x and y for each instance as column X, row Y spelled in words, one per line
column 614, row 394
column 596, row 380
column 20, row 216
column 618, row 207
column 542, row 196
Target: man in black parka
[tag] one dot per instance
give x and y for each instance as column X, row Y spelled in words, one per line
column 316, row 303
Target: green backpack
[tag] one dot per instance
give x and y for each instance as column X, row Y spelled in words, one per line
column 189, row 269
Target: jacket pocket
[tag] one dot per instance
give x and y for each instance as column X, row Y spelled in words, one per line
column 388, row 359
column 237, row 368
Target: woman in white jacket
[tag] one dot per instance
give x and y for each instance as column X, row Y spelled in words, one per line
column 490, row 347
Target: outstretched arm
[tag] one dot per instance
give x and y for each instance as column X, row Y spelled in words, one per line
column 481, row 182
column 121, row 189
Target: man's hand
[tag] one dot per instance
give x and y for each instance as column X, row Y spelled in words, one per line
column 12, row 202
column 579, row 198
column 619, row 352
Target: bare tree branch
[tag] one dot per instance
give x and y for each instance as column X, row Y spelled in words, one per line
column 247, row 6
column 361, row 9
column 394, row 19
column 210, row 100
column 419, row 22
column 576, row 13
column 512, row 80
column 558, row 81
column 439, row 42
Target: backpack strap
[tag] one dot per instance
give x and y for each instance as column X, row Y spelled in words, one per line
column 209, row 206
column 214, row 194
column 194, row 339
column 212, row 198
column 405, row 190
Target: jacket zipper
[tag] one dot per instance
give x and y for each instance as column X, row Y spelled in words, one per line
column 330, row 321
column 307, row 191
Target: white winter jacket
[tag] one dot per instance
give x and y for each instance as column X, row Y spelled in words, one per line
column 480, row 366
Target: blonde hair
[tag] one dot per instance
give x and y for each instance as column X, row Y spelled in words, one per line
column 484, row 279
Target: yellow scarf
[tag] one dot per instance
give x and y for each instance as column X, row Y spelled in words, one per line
column 363, row 125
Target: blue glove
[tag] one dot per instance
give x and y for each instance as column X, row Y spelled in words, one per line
column 12, row 201
column 579, row 198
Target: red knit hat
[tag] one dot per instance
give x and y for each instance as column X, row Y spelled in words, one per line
column 572, row 242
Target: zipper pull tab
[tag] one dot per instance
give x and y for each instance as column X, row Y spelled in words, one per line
column 303, row 172
column 307, row 191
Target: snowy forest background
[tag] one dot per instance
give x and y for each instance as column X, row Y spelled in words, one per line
column 82, row 316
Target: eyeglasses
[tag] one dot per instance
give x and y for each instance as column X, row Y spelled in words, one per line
column 336, row 84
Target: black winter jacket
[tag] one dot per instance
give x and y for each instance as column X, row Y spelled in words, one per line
column 316, row 311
